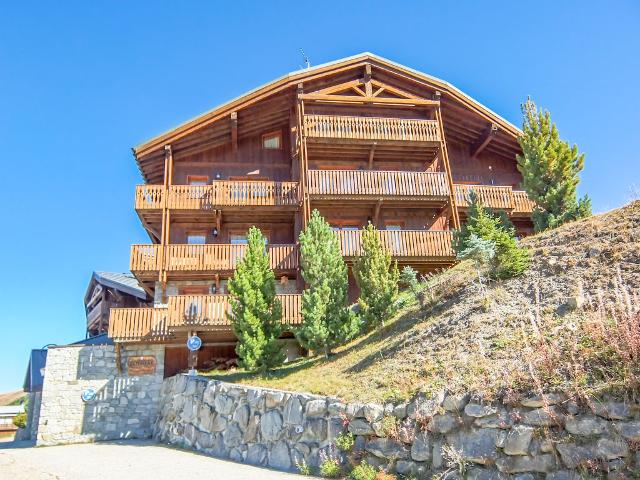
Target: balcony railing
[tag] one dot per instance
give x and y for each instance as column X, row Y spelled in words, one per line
column 222, row 193
column 498, row 197
column 401, row 243
column 368, row 183
column 210, row 257
column 370, row 128
column 489, row 196
column 522, row 204
column 200, row 312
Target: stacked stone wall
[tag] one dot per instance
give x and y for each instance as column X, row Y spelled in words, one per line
column 529, row 439
column 124, row 406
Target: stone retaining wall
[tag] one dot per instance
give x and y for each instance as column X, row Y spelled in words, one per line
column 124, row 407
column 526, row 440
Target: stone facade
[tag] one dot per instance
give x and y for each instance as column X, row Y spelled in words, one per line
column 533, row 439
column 124, row 406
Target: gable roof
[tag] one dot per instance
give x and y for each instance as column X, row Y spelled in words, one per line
column 300, row 75
column 125, row 282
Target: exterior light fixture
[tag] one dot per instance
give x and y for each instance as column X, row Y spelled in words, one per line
column 214, row 232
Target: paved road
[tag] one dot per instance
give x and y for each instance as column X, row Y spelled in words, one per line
column 126, row 460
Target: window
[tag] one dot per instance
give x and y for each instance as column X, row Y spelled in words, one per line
column 272, row 141
column 237, row 239
column 196, row 238
column 197, row 179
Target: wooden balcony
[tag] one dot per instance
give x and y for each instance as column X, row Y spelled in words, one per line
column 522, row 204
column 200, row 313
column 419, row 246
column 221, row 258
column 222, row 193
column 378, row 185
column 516, row 202
column 367, row 129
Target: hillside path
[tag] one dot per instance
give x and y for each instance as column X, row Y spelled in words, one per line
column 124, row 460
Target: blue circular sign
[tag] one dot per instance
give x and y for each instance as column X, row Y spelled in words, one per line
column 88, row 395
column 194, row 343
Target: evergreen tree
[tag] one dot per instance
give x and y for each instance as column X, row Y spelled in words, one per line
column 510, row 258
column 256, row 313
column 550, row 169
column 377, row 278
column 327, row 322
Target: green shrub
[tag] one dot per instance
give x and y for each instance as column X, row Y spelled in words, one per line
column 377, row 277
column 363, row 471
column 20, row 420
column 256, row 313
column 345, row 441
column 330, row 463
column 303, row 467
column 487, row 235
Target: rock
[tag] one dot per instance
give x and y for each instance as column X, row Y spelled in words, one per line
column 251, row 432
column 501, row 419
column 354, row 410
column 610, row 449
column 279, row 457
column 293, row 411
column 573, row 455
column 455, row 403
column 218, row 424
column 477, row 410
column 520, row 464
column 630, row 430
column 257, row 455
column 477, row 446
column 483, row 474
column 223, row 404
column 563, row 475
column 204, row 441
column 236, row 455
column 421, row 448
column 205, row 417
column 586, row 425
column 437, row 459
column 613, row 410
column 444, row 423
column 501, row 438
column 256, row 399
column 232, row 436
column 271, row 425
column 575, row 302
column 423, row 407
column 336, row 408
column 316, row 408
column 241, row 416
column 273, row 399
column 400, row 411
column 518, row 440
column 315, row 430
column 542, row 417
column 407, row 468
column 372, row 412
column 360, row 427
column 537, row 401
column 335, row 427
column 524, row 476
column 387, row 448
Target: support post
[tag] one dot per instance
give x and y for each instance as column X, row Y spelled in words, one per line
column 234, row 135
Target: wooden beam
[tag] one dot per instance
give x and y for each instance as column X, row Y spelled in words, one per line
column 371, row 152
column 367, row 80
column 234, row 133
column 376, row 213
column 358, row 99
column 484, row 140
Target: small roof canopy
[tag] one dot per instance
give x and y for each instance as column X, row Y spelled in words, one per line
column 124, row 282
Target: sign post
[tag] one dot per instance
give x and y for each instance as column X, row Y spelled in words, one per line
column 194, row 342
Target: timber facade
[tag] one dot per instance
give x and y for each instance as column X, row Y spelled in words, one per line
column 363, row 140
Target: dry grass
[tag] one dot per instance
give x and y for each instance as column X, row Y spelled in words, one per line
column 469, row 339
column 12, row 398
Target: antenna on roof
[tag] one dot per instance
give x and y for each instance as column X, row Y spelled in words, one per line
column 305, row 59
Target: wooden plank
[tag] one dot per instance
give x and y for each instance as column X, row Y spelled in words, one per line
column 480, row 144
column 359, row 99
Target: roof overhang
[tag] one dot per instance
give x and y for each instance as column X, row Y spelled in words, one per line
column 293, row 78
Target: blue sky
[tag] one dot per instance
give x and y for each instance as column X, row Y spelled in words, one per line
column 83, row 82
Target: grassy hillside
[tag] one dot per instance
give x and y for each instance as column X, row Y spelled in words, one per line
column 549, row 328
column 13, row 398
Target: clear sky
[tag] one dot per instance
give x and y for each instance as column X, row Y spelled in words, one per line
column 82, row 82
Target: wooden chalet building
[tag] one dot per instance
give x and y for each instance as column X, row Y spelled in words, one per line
column 361, row 139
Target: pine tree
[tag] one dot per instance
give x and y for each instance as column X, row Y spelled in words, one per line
column 510, row 258
column 256, row 313
column 327, row 322
column 550, row 168
column 377, row 278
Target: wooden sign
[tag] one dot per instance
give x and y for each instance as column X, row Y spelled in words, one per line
column 141, row 365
